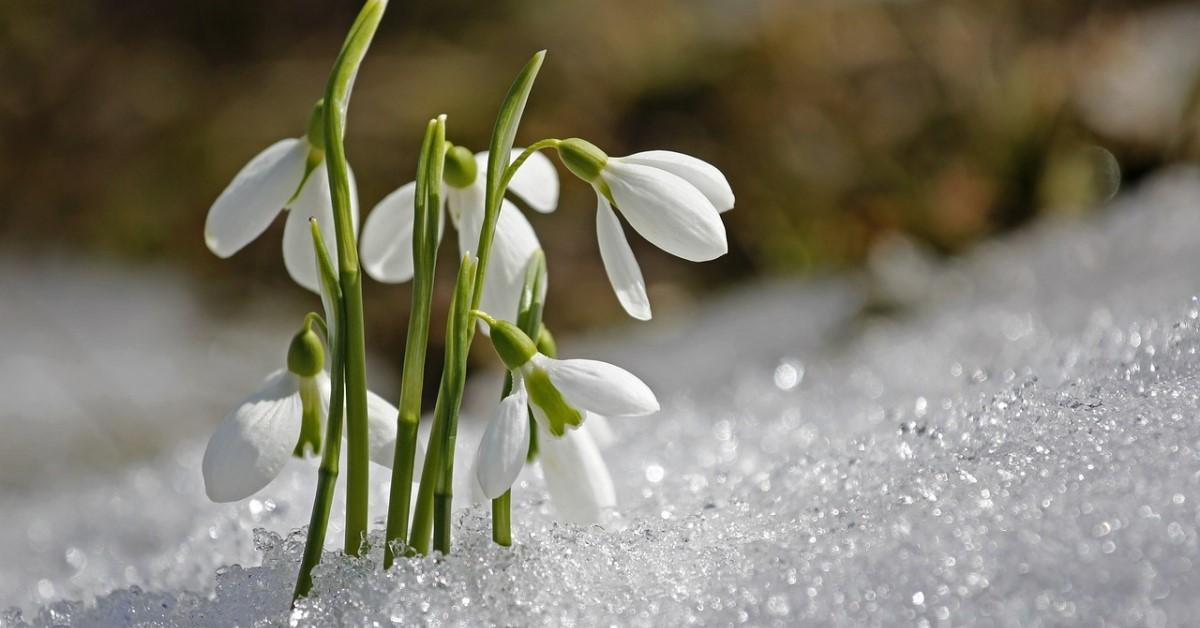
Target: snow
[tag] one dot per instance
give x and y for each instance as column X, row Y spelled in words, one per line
column 1009, row 439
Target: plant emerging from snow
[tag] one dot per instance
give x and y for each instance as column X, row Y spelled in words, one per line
column 553, row 411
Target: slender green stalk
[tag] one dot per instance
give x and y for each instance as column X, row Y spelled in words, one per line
column 502, row 519
column 422, row 519
column 451, row 391
column 425, row 244
column 337, row 100
column 462, row 324
column 327, row 474
column 525, row 154
column 529, row 319
column 435, row 494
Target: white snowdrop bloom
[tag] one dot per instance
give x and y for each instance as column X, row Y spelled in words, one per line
column 673, row 200
column 289, row 175
column 577, row 479
column 600, row 429
column 504, row 445
column 284, row 417
column 387, row 241
column 576, row 476
column 561, row 395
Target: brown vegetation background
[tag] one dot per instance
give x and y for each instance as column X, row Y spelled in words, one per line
column 839, row 124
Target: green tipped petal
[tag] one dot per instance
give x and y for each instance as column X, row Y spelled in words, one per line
column 557, row 412
column 310, row 418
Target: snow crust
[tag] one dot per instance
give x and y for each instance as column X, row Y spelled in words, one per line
column 1013, row 438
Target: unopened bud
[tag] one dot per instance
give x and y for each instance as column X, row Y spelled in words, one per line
column 513, row 346
column 582, row 158
column 460, row 169
column 306, row 354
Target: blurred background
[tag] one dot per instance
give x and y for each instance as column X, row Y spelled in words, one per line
column 847, row 130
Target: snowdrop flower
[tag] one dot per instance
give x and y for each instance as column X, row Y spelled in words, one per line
column 285, row 417
column 387, row 239
column 577, row 479
column 561, row 394
column 289, row 174
column 673, row 200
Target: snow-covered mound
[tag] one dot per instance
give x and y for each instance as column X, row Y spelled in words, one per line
column 1016, row 442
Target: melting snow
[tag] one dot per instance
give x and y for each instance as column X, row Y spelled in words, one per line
column 1016, row 441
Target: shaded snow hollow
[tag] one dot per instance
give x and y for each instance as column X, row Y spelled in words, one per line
column 1018, row 444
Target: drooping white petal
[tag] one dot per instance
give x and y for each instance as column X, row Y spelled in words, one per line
column 513, row 247
column 598, row 386
column 476, row 495
column 313, row 202
column 387, row 237
column 597, row 425
column 667, row 210
column 536, row 180
column 576, row 477
column 465, row 204
column 705, row 176
column 254, row 441
column 514, row 243
column 381, row 432
column 298, row 255
column 255, row 196
column 622, row 267
column 501, row 453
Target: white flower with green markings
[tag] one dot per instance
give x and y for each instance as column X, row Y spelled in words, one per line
column 290, row 174
column 285, row 417
column 561, row 395
column 387, row 239
column 673, row 200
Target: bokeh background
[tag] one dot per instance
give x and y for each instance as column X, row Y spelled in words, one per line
column 839, row 124
column 844, row 127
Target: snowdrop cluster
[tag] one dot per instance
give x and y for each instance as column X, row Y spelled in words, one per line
column 554, row 411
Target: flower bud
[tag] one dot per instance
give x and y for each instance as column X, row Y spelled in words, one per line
column 582, row 158
column 512, row 345
column 306, row 354
column 545, row 342
column 460, row 169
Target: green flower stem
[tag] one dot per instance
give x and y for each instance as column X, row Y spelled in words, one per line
column 435, row 494
column 337, row 99
column 453, row 377
column 529, row 319
column 502, row 519
column 422, row 519
column 326, row 481
column 312, row 319
column 425, row 245
column 327, row 474
column 529, row 150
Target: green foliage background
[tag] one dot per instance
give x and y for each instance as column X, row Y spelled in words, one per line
column 838, row 123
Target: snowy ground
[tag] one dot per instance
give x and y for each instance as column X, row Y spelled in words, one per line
column 1014, row 442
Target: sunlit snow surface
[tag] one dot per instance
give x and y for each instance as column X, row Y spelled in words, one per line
column 1018, row 444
